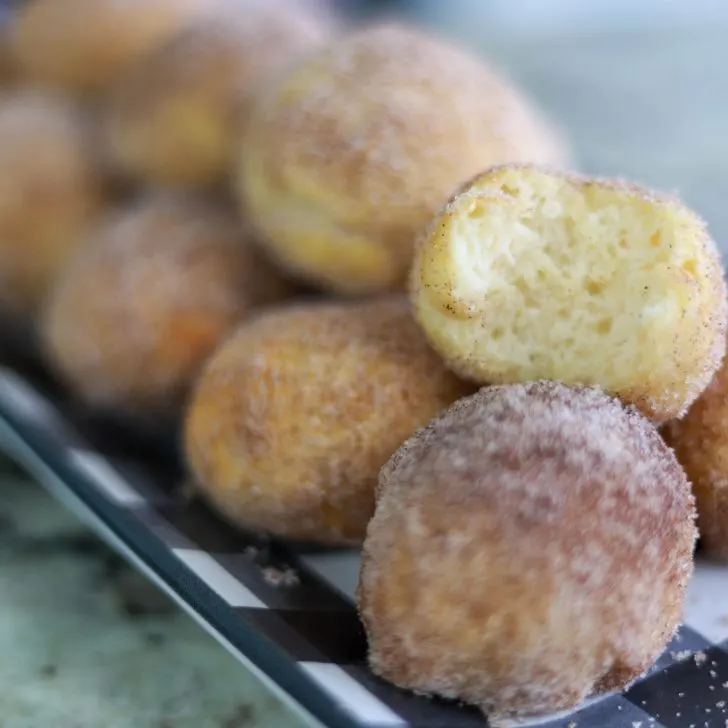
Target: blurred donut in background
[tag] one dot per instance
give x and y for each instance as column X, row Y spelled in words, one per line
column 700, row 441
column 83, row 46
column 297, row 411
column 51, row 193
column 139, row 309
column 175, row 120
column 347, row 157
column 9, row 70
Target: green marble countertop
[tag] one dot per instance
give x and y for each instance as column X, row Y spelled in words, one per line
column 86, row 643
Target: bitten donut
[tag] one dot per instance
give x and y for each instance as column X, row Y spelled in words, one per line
column 347, row 157
column 51, row 194
column 700, row 440
column 84, row 46
column 529, row 274
column 295, row 414
column 175, row 120
column 530, row 547
column 131, row 320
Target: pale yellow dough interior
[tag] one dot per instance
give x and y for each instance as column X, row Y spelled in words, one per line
column 579, row 283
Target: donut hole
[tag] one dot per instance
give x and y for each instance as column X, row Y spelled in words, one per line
column 285, row 431
column 582, row 282
column 528, row 548
column 149, row 148
column 169, row 277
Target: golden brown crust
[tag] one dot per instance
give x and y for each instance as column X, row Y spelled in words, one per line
column 530, row 546
column 143, row 304
column 295, row 414
column 84, row 47
column 700, row 440
column 452, row 321
column 347, row 158
column 9, row 69
column 175, row 120
column 51, row 191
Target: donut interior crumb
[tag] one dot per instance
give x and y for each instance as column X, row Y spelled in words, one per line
column 567, row 269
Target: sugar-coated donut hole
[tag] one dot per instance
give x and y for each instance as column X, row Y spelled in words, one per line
column 84, row 47
column 175, row 120
column 700, row 441
column 530, row 547
column 130, row 321
column 294, row 415
column 347, row 156
column 529, row 274
column 52, row 191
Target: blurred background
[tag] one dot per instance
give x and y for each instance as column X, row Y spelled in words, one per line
column 640, row 85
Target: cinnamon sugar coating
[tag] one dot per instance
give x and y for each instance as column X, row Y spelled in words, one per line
column 348, row 156
column 176, row 119
column 529, row 547
column 700, row 440
column 529, row 273
column 51, row 194
column 295, row 414
column 85, row 46
column 130, row 322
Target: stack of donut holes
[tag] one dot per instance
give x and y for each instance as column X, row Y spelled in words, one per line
column 353, row 266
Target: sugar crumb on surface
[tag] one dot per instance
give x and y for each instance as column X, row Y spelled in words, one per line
column 682, row 655
column 281, row 577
